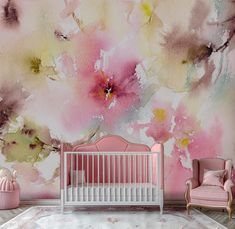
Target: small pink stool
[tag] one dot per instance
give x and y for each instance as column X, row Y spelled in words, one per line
column 9, row 194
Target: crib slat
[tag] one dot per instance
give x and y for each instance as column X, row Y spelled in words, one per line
column 114, row 168
column 124, row 178
column 83, row 174
column 158, row 176
column 140, row 174
column 144, row 185
column 142, row 177
column 103, row 179
column 145, row 178
column 71, row 176
column 135, row 186
column 109, row 168
column 65, row 176
column 139, row 179
column 88, row 180
column 119, row 178
column 92, row 177
column 98, row 172
column 151, row 177
column 129, row 180
column 76, row 178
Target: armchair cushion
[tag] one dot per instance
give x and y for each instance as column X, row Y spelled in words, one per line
column 209, row 164
column 210, row 203
column 192, row 182
column 210, row 193
column 228, row 185
column 214, row 177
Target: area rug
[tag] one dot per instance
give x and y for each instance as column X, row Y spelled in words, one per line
column 49, row 217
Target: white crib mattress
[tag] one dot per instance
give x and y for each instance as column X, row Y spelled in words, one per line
column 111, row 192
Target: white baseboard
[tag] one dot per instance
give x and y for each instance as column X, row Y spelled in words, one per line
column 41, row 202
column 57, row 202
column 175, row 202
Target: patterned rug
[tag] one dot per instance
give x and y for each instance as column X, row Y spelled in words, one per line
column 49, row 217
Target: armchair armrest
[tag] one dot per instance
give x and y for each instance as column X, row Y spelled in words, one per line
column 192, row 183
column 228, row 185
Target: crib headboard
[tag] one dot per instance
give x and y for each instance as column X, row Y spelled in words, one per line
column 110, row 143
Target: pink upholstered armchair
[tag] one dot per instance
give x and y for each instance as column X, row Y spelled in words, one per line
column 213, row 196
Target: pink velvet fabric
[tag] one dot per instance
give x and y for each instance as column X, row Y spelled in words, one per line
column 212, row 193
column 112, row 143
column 214, row 177
column 210, row 203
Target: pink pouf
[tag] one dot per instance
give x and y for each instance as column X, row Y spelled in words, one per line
column 9, row 193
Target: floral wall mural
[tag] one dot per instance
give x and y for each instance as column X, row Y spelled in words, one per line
column 148, row 70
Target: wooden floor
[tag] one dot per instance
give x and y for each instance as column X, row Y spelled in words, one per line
column 6, row 215
column 218, row 215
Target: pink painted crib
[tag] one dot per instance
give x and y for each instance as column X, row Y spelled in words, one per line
column 112, row 171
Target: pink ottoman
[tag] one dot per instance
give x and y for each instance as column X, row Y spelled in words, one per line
column 9, row 194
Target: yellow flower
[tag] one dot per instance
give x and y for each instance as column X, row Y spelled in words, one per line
column 147, row 8
column 35, row 65
column 160, row 114
column 184, row 142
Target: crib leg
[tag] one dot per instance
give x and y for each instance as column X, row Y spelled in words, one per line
column 161, row 202
column 161, row 209
column 62, row 201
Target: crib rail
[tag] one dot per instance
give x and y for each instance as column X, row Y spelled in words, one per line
column 112, row 178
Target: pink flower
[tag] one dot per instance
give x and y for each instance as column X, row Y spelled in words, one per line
column 115, row 95
column 190, row 136
column 185, row 127
column 105, row 91
column 116, row 89
column 160, row 124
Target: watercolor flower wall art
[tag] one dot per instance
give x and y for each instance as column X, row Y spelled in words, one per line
column 149, row 70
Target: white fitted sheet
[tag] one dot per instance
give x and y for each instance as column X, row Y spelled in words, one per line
column 112, row 192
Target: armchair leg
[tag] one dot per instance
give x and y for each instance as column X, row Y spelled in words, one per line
column 229, row 207
column 188, row 208
column 229, row 210
column 187, row 199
